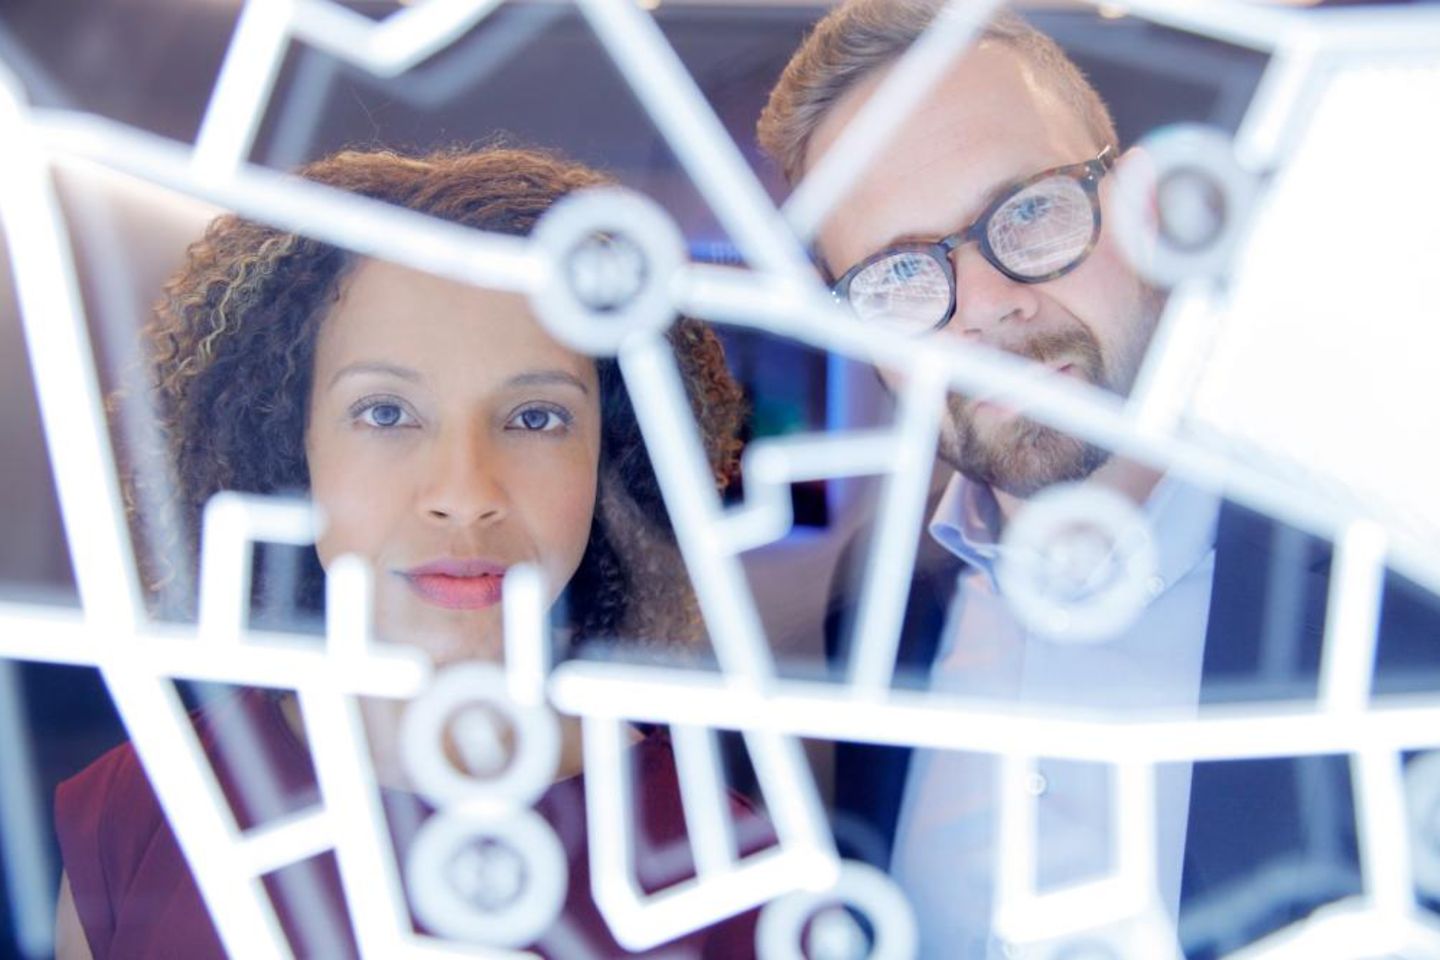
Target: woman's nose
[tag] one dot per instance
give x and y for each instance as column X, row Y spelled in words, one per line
column 465, row 485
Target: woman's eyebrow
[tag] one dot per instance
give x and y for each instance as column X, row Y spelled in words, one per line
column 375, row 366
column 544, row 378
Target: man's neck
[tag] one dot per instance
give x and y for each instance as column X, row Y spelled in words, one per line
column 1132, row 480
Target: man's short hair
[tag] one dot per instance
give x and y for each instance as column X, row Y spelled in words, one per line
column 860, row 36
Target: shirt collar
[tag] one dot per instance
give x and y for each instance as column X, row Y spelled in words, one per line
column 1182, row 517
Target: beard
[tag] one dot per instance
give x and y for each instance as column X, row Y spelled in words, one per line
column 1018, row 455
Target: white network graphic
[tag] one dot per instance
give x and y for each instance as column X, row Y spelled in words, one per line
column 1314, row 58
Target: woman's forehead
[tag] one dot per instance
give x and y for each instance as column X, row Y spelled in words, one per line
column 393, row 313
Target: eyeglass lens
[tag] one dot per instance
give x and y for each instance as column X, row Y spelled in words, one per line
column 910, row 290
column 1044, row 228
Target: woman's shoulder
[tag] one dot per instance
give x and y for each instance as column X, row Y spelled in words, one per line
column 109, row 811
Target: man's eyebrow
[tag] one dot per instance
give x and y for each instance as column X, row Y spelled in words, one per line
column 375, row 366
column 993, row 194
column 545, row 378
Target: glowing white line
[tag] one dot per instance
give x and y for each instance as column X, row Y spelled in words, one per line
column 770, row 466
column 823, row 711
column 1382, row 32
column 263, row 34
column 665, row 421
column 703, row 796
column 372, row 885
column 527, row 642
column 1135, row 830
column 1174, row 360
column 1352, row 618
column 247, row 77
column 233, row 524
column 892, row 557
column 28, row 871
column 197, row 811
column 669, row 94
column 268, row 660
column 1014, row 859
column 53, row 319
column 367, row 227
column 1343, row 931
column 1269, row 129
column 638, row 921
column 1073, row 408
column 693, row 905
column 794, row 805
column 87, row 482
column 1070, row 910
column 422, row 947
column 909, row 82
column 1384, row 835
column 1243, row 24
column 396, row 44
column 608, row 802
column 291, row 840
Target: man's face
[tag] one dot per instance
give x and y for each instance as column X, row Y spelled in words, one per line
column 989, row 123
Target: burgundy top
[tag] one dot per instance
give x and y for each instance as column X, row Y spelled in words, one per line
column 135, row 895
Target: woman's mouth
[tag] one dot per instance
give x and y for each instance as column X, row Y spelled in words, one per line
column 457, row 584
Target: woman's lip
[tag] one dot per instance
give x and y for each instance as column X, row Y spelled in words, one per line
column 456, row 592
column 457, row 567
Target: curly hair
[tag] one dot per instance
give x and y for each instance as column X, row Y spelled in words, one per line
column 233, row 344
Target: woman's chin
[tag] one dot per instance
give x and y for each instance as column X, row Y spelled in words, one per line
column 446, row 636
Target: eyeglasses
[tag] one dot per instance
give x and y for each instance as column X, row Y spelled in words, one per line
column 1038, row 229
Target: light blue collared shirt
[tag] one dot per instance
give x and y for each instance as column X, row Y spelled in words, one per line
column 944, row 850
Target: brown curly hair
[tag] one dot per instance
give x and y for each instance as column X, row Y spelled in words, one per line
column 233, row 350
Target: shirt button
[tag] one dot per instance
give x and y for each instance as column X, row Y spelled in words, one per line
column 1156, row 585
column 1037, row 785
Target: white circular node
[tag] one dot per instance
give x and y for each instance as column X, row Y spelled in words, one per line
column 1422, row 791
column 471, row 701
column 613, row 255
column 1076, row 564
column 833, row 934
column 1180, row 208
column 497, row 880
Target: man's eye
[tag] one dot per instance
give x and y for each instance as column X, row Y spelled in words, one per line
column 540, row 419
column 905, row 269
column 1028, row 210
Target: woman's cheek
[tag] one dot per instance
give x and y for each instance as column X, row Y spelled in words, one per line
column 354, row 505
column 564, row 508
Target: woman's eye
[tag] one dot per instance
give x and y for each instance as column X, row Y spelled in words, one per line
column 540, row 419
column 384, row 415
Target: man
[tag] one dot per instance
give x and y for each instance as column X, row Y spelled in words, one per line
column 980, row 222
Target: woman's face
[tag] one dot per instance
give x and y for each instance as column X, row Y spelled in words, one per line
column 449, row 439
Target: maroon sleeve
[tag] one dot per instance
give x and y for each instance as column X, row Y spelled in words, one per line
column 100, row 854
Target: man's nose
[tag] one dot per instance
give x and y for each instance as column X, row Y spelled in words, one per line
column 465, row 483
column 985, row 298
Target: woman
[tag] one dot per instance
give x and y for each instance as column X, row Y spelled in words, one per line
column 445, row 437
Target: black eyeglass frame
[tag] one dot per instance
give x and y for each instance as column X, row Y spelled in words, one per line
column 1087, row 173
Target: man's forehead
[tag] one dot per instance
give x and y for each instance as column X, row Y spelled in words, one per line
column 986, row 123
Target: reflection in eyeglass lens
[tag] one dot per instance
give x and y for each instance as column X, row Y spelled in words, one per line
column 1043, row 228
column 908, row 290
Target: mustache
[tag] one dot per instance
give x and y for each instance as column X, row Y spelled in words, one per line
column 1050, row 346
